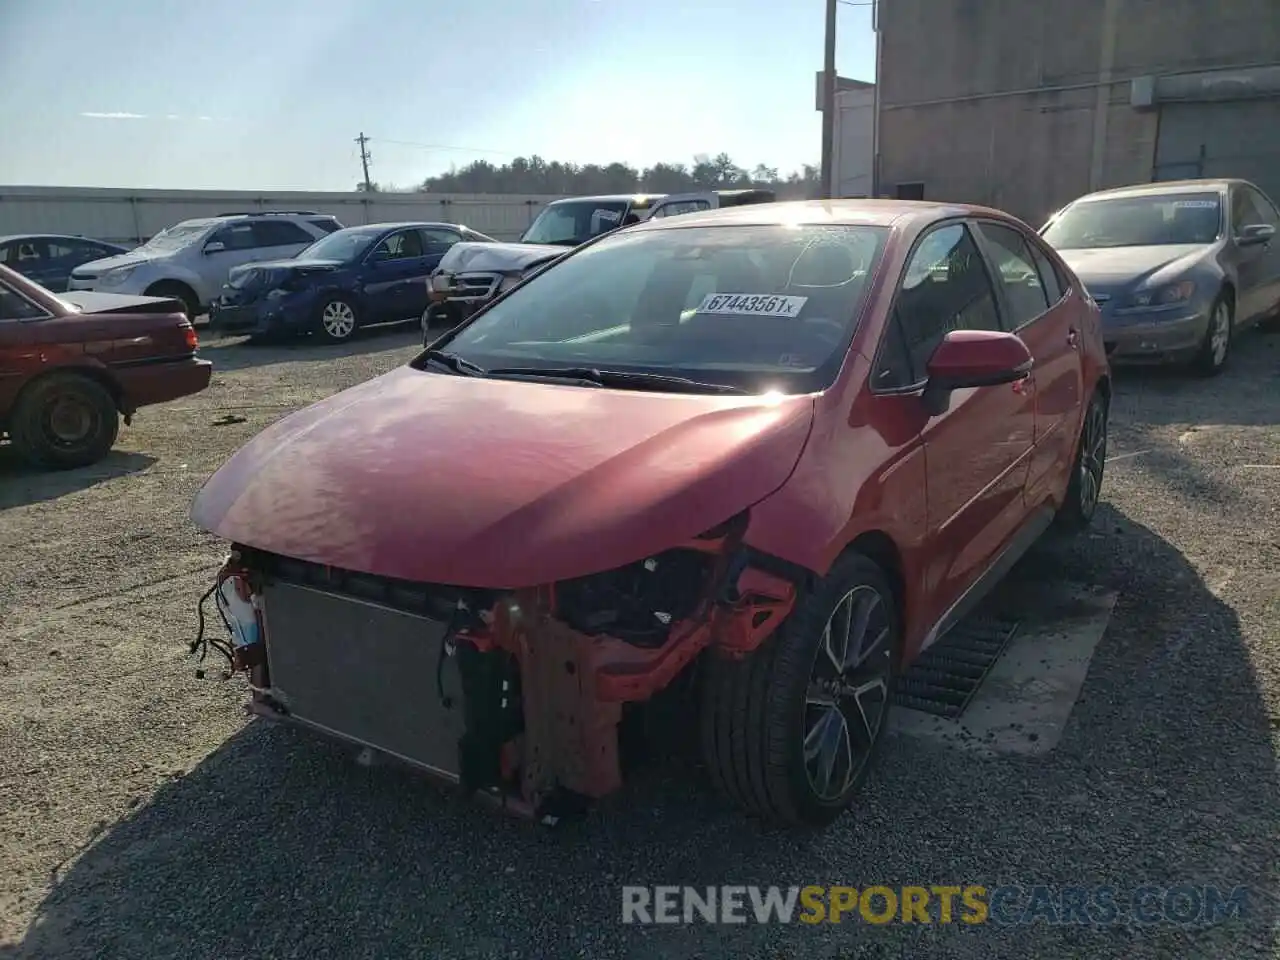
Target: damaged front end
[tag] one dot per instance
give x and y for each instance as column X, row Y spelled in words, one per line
column 515, row 695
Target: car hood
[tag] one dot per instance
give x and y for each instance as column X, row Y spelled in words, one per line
column 499, row 484
column 291, row 264
column 1120, row 266
column 497, row 257
column 96, row 268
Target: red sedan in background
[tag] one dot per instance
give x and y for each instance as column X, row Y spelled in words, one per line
column 73, row 364
column 762, row 456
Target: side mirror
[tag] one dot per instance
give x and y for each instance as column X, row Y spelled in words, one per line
column 974, row 358
column 214, row 246
column 1255, row 235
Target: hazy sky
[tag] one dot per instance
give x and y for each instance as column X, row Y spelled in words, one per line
column 208, row 94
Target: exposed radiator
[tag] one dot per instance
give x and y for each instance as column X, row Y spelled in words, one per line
column 366, row 673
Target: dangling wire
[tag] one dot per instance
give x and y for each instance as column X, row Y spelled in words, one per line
column 202, row 643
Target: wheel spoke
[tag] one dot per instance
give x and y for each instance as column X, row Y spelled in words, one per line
column 868, row 700
column 856, row 649
column 828, row 753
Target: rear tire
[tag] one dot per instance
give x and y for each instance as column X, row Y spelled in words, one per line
column 1214, row 352
column 1084, row 490
column 788, row 735
column 180, row 292
column 63, row 421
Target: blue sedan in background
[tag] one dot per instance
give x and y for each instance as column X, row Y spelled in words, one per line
column 49, row 258
column 352, row 278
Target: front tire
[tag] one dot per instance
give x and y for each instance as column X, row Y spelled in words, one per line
column 337, row 320
column 63, row 421
column 1214, row 351
column 789, row 733
column 180, row 292
column 1084, row 489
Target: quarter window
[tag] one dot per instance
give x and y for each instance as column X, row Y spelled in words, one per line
column 945, row 288
column 14, row 306
column 1017, row 274
column 1250, row 208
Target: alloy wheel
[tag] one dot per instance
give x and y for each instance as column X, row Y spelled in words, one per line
column 848, row 692
column 1093, row 457
column 1220, row 335
column 338, row 319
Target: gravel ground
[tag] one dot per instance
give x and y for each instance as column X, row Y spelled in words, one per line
column 142, row 816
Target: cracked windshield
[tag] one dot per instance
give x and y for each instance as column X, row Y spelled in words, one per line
column 794, row 483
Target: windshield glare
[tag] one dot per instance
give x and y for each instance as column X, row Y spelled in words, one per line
column 756, row 307
column 570, row 224
column 176, row 237
column 1138, row 222
column 341, row 245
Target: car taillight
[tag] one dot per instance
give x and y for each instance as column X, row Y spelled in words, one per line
column 193, row 338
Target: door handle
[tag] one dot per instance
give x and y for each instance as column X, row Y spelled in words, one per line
column 1073, row 339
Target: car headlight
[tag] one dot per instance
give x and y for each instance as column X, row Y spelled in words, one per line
column 113, row 278
column 637, row 603
column 1163, row 296
column 441, row 283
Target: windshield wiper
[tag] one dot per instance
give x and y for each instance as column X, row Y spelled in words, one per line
column 455, row 363
column 616, row 378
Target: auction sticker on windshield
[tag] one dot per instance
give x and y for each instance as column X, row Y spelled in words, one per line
column 751, row 304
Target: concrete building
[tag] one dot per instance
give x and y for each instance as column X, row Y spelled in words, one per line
column 1027, row 104
column 854, row 156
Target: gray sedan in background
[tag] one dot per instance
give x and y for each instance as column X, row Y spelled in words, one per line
column 1177, row 268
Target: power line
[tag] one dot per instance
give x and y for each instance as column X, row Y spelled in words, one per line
column 442, row 146
column 858, row 3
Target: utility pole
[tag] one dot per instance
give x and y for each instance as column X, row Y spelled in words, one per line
column 829, row 105
column 364, row 160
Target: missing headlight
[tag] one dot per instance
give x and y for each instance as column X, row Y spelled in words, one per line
column 639, row 602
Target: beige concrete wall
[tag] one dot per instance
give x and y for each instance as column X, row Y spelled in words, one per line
column 1025, row 105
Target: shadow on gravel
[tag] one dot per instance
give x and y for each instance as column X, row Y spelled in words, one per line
column 1242, row 395
column 278, row 845
column 240, row 354
column 21, row 484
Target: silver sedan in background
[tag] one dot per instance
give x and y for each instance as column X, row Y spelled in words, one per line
column 1177, row 268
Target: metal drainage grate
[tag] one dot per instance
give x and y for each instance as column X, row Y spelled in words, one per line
column 945, row 677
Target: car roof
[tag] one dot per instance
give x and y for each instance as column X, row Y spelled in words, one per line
column 859, row 212
column 402, row 226
column 54, row 236
column 1162, row 187
column 611, row 198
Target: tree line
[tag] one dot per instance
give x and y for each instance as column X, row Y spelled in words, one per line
column 536, row 175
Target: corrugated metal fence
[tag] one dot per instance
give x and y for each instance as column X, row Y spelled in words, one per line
column 132, row 216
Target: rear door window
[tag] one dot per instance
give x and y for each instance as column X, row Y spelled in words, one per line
column 437, row 240
column 1017, row 273
column 279, row 233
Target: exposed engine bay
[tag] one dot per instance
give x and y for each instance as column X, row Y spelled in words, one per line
column 516, row 695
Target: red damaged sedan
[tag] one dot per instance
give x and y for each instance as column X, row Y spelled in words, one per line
column 761, row 457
